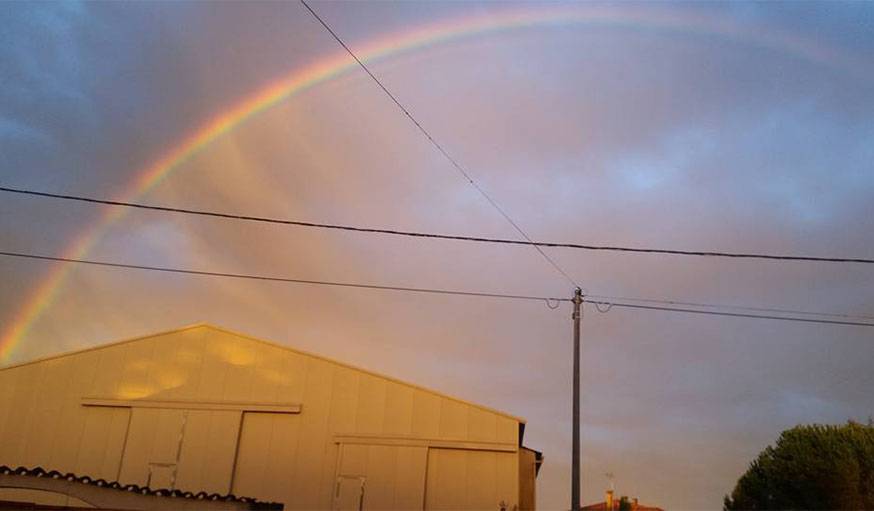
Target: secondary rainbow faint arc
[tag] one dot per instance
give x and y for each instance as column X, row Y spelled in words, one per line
column 330, row 67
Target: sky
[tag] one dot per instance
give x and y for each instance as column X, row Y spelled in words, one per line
column 698, row 126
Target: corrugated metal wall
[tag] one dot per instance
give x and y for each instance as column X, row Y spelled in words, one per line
column 205, row 409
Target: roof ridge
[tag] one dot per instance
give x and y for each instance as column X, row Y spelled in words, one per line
column 205, row 324
column 521, row 420
column 106, row 345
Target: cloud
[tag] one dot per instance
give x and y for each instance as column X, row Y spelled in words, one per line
column 13, row 131
column 42, row 52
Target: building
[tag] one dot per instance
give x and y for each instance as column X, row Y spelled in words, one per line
column 203, row 409
column 613, row 504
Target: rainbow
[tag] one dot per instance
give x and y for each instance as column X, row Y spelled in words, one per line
column 332, row 66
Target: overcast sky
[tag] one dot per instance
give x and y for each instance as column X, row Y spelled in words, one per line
column 757, row 137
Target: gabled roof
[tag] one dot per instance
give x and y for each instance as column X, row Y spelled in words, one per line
column 209, row 326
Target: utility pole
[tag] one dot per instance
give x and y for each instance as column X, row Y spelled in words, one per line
column 575, row 455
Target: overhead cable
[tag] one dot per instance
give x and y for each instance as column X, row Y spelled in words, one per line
column 604, row 306
column 612, row 299
column 439, row 147
column 418, row 234
column 549, row 300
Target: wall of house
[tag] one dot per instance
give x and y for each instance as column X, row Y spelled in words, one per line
column 203, row 409
column 527, row 480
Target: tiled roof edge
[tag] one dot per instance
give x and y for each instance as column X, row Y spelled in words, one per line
column 133, row 488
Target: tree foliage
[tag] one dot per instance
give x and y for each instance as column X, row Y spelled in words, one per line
column 811, row 467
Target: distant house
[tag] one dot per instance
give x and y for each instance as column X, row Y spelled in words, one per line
column 613, row 504
column 202, row 412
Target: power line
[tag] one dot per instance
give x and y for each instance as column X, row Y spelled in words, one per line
column 610, row 304
column 165, row 269
column 439, row 147
column 612, row 299
column 549, row 300
column 605, row 298
column 418, row 234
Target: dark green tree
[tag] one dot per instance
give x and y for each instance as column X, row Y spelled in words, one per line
column 811, row 467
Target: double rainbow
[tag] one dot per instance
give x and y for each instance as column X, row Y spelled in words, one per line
column 330, row 67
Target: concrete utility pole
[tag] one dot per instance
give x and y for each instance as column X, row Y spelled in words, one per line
column 575, row 456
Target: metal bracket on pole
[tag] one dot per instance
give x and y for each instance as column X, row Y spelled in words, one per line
column 575, row 455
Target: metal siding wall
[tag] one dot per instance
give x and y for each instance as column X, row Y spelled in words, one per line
column 25, row 412
column 280, row 463
column 293, row 379
column 253, row 449
column 344, row 401
column 527, row 480
column 8, row 383
column 507, row 477
column 398, row 410
column 241, row 359
column 166, row 374
column 211, row 377
column 371, row 405
column 46, row 411
column 482, row 481
column 103, row 440
column 316, row 456
column 123, row 371
column 507, row 430
column 446, row 486
column 153, row 437
column 453, row 419
column 462, row 479
column 394, row 476
column 206, row 461
column 482, row 425
column 188, row 366
column 70, row 428
column 410, row 473
column 380, row 483
column 266, row 456
column 426, row 414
